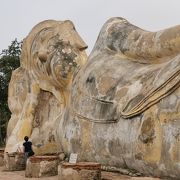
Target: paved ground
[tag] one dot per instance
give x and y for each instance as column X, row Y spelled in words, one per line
column 19, row 175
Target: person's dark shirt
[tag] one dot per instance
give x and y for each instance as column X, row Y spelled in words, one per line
column 27, row 146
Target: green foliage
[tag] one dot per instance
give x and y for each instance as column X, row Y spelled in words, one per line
column 9, row 61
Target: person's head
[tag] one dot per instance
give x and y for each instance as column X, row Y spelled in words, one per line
column 26, row 138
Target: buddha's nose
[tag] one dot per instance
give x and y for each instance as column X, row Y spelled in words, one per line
column 76, row 39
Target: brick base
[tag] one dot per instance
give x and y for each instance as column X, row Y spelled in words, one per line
column 1, row 157
column 79, row 171
column 14, row 161
column 42, row 166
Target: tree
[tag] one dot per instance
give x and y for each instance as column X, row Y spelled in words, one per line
column 9, row 61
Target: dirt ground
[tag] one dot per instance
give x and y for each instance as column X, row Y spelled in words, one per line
column 19, row 175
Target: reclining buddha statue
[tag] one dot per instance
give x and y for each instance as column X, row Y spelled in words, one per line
column 120, row 106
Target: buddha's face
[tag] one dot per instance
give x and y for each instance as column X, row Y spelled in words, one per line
column 58, row 53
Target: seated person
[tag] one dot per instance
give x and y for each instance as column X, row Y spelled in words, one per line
column 27, row 148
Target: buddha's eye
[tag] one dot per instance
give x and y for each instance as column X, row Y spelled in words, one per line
column 50, row 48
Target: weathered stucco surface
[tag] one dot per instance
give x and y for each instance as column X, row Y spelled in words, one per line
column 120, row 108
column 39, row 89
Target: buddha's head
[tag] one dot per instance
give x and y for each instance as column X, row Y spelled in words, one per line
column 54, row 52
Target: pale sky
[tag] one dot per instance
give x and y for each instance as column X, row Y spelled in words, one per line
column 18, row 17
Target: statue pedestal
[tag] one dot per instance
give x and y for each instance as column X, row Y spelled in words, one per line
column 42, row 166
column 14, row 161
column 1, row 157
column 81, row 170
